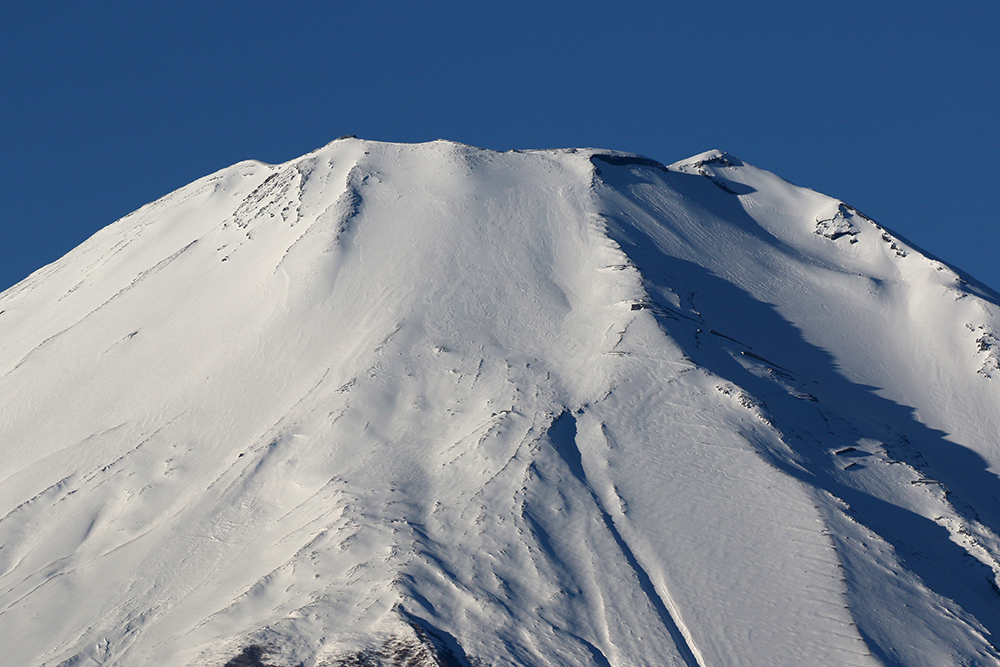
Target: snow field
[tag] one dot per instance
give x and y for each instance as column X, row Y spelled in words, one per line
column 531, row 408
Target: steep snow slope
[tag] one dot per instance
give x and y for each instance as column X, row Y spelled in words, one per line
column 434, row 403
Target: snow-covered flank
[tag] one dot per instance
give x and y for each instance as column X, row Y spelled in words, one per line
column 431, row 404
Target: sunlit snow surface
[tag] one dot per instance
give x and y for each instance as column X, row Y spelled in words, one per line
column 439, row 404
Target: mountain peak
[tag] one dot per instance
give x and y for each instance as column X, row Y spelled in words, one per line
column 441, row 405
column 712, row 157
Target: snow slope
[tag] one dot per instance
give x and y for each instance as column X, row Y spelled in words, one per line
column 437, row 404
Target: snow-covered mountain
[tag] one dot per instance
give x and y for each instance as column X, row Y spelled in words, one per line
column 435, row 405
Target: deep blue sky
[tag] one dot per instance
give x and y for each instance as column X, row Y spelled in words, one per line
column 891, row 106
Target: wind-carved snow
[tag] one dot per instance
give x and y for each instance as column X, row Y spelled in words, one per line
column 432, row 404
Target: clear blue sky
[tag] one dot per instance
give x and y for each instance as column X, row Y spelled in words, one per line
column 891, row 106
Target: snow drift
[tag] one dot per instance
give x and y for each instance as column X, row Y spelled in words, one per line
column 432, row 404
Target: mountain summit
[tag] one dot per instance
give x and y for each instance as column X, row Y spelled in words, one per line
column 430, row 404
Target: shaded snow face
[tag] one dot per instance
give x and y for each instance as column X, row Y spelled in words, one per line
column 430, row 404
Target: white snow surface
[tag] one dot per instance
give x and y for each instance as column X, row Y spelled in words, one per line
column 438, row 404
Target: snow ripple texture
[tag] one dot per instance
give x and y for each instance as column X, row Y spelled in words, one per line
column 436, row 405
